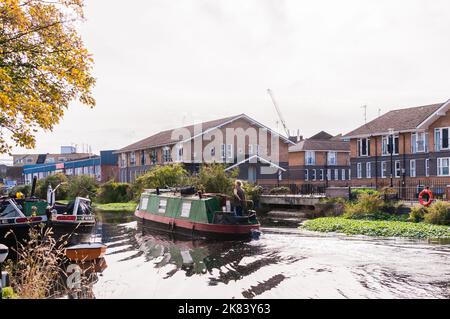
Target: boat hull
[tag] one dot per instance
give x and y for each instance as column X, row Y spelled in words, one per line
column 73, row 232
column 194, row 229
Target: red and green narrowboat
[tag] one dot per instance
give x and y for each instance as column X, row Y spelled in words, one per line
column 196, row 216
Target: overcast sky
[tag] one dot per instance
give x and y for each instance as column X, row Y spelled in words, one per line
column 162, row 64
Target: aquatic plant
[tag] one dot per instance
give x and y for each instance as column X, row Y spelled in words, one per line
column 380, row 228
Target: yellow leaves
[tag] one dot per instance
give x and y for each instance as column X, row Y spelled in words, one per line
column 43, row 66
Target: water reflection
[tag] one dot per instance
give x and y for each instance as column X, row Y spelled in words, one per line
column 284, row 263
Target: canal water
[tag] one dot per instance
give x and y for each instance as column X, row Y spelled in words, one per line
column 284, row 263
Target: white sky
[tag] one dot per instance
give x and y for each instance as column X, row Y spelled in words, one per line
column 162, row 64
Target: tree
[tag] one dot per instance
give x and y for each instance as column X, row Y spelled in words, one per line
column 82, row 185
column 54, row 180
column 43, row 66
column 214, row 179
column 160, row 176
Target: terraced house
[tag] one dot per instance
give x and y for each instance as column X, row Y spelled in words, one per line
column 406, row 148
column 322, row 159
column 210, row 142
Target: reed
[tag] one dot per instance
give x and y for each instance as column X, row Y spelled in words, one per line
column 38, row 264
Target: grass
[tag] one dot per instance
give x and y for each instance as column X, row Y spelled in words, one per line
column 381, row 228
column 116, row 207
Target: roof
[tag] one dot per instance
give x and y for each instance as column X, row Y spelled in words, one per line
column 165, row 137
column 322, row 135
column 261, row 159
column 321, row 145
column 398, row 120
column 321, row 141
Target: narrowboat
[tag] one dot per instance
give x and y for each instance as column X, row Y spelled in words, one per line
column 73, row 222
column 195, row 216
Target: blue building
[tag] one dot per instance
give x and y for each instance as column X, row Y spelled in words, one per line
column 102, row 168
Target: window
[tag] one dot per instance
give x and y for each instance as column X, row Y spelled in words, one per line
column 386, row 143
column 412, row 168
column 383, row 169
column 179, row 153
column 166, row 155
column 222, row 151
column 443, row 166
column 322, row 173
column 349, row 174
column 343, row 174
column 153, row 157
column 133, row 158
column 142, row 158
column 336, row 174
column 331, row 158
column 144, row 203
column 229, row 151
column 306, row 175
column 123, row 160
column 358, row 170
column 441, row 139
column 329, row 175
column 50, row 160
column 250, row 149
column 310, row 158
column 427, row 167
column 419, row 142
column 162, row 206
column 313, row 177
column 363, row 146
column 368, row 170
column 397, row 168
column 185, row 209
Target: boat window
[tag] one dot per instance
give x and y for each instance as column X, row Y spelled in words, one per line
column 144, row 203
column 185, row 209
column 162, row 206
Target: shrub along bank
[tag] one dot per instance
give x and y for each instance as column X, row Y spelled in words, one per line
column 371, row 215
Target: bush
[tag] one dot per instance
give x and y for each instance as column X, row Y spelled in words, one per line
column 53, row 180
column 280, row 190
column 24, row 189
column 252, row 191
column 8, row 293
column 355, row 193
column 112, row 192
column 82, row 185
column 214, row 179
column 417, row 213
column 367, row 206
column 438, row 213
column 160, row 176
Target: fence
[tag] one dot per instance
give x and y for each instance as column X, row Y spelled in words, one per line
column 410, row 190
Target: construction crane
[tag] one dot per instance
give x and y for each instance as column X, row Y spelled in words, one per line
column 269, row 91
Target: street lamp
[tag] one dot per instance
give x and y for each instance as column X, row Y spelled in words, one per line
column 391, row 152
column 3, row 254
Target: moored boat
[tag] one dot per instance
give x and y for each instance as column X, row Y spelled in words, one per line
column 73, row 222
column 204, row 216
column 85, row 252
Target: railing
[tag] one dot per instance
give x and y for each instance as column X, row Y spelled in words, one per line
column 410, row 191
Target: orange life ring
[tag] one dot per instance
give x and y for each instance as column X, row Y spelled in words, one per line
column 430, row 197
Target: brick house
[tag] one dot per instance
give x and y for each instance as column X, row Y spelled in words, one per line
column 408, row 147
column 321, row 159
column 238, row 141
